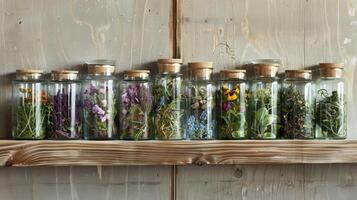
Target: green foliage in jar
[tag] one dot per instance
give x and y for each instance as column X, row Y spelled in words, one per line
column 31, row 124
column 168, row 109
column 263, row 117
column 297, row 115
column 330, row 115
column 233, row 123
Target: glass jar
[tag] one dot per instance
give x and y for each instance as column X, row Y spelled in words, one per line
column 65, row 98
column 331, row 117
column 232, row 105
column 31, row 107
column 168, row 100
column 298, row 105
column 99, row 101
column 135, row 105
column 201, row 92
column 263, row 102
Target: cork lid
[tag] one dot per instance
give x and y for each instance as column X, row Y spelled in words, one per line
column 201, row 69
column 170, row 65
column 137, row 73
column 331, row 70
column 101, row 67
column 233, row 73
column 29, row 73
column 303, row 74
column 265, row 70
column 60, row 75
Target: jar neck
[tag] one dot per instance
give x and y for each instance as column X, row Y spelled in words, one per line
column 135, row 78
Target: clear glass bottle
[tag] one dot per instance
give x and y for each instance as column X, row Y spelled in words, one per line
column 201, row 93
column 232, row 105
column 298, row 105
column 168, row 100
column 31, row 109
column 99, row 96
column 135, row 105
column 331, row 117
column 263, row 116
column 65, row 98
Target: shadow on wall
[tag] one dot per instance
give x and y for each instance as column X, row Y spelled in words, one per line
column 5, row 106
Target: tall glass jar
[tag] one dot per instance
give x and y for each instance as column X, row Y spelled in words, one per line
column 298, row 105
column 99, row 101
column 263, row 102
column 65, row 97
column 135, row 105
column 31, row 109
column 331, row 117
column 201, row 92
column 232, row 105
column 168, row 100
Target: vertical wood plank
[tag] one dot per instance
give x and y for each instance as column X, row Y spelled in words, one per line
column 231, row 33
column 77, row 183
column 267, row 182
column 61, row 34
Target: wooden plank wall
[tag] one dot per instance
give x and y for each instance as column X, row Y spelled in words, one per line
column 61, row 34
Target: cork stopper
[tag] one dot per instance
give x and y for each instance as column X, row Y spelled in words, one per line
column 171, row 65
column 62, row 75
column 233, row 74
column 101, row 67
column 29, row 73
column 201, row 69
column 302, row 74
column 331, row 70
column 265, row 70
column 144, row 74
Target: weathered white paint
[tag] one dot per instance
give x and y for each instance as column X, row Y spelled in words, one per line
column 62, row 34
column 89, row 183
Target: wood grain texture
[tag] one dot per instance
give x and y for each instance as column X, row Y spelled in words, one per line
column 276, row 182
column 85, row 183
column 102, row 153
column 300, row 33
column 62, row 34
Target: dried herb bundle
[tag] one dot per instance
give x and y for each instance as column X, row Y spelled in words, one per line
column 232, row 113
column 99, row 111
column 263, row 117
column 66, row 117
column 136, row 102
column 330, row 115
column 200, row 121
column 33, row 115
column 297, row 115
column 168, row 109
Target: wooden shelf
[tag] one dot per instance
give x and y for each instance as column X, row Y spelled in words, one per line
column 64, row 153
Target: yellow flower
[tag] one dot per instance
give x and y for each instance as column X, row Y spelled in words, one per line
column 232, row 96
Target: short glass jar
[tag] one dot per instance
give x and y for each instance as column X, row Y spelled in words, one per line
column 99, row 101
column 232, row 105
column 168, row 100
column 135, row 105
column 298, row 105
column 331, row 115
column 201, row 93
column 263, row 116
column 65, row 97
column 31, row 109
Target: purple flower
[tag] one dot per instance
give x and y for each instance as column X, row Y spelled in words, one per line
column 98, row 110
column 88, row 104
column 92, row 90
column 227, row 106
